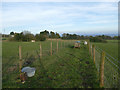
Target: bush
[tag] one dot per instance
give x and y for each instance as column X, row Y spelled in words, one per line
column 42, row 38
column 39, row 37
column 11, row 39
column 97, row 39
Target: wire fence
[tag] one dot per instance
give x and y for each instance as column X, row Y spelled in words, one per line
column 111, row 68
column 29, row 53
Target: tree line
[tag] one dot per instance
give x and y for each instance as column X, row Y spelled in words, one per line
column 43, row 35
column 28, row 36
column 97, row 38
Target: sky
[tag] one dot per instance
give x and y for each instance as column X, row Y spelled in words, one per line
column 61, row 17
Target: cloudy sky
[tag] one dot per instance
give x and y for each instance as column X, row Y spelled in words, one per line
column 62, row 17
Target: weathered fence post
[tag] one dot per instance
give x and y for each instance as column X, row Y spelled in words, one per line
column 70, row 42
column 93, row 53
column 91, row 50
column 88, row 46
column 40, row 51
column 102, row 69
column 57, row 45
column 64, row 43
column 51, row 47
column 20, row 63
column 61, row 43
column 20, row 58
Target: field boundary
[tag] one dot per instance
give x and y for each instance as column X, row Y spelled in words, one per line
column 111, row 68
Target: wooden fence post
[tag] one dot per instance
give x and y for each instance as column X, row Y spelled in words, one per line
column 88, row 46
column 64, row 43
column 61, row 43
column 20, row 58
column 102, row 69
column 91, row 50
column 57, row 45
column 20, row 63
column 93, row 53
column 51, row 47
column 40, row 51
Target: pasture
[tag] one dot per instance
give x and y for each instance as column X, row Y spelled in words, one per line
column 110, row 47
column 67, row 68
column 111, row 63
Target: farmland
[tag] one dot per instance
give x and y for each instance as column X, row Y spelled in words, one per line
column 68, row 68
column 111, row 65
column 110, row 47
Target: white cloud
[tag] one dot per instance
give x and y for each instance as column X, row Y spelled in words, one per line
column 59, row 16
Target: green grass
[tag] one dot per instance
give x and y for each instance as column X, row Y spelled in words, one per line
column 69, row 68
column 111, row 72
column 111, row 47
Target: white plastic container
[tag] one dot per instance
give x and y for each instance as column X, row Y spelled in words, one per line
column 30, row 71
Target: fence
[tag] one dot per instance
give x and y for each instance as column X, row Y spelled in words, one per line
column 26, row 53
column 109, row 77
column 110, row 69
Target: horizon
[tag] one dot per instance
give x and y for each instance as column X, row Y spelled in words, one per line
column 80, row 34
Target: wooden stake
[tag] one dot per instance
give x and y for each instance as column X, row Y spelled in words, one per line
column 57, row 45
column 93, row 53
column 51, row 47
column 88, row 45
column 91, row 50
column 20, row 56
column 20, row 59
column 61, row 43
column 64, row 43
column 40, row 51
column 102, row 70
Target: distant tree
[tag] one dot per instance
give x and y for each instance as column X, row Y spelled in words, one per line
column 45, row 33
column 40, row 37
column 57, row 35
column 11, row 33
column 52, row 35
column 115, row 37
column 18, row 36
column 97, row 39
column 27, row 36
column 82, row 37
column 24, row 36
column 37, row 37
column 64, row 36
column 26, row 32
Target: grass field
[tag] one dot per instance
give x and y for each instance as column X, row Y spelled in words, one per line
column 111, row 65
column 69, row 68
column 110, row 47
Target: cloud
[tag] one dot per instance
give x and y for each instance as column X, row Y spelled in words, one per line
column 58, row 16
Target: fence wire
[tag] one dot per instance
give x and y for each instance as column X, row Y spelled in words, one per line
column 10, row 66
column 111, row 68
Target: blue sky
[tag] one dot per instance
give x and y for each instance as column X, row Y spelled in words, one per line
column 62, row 17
